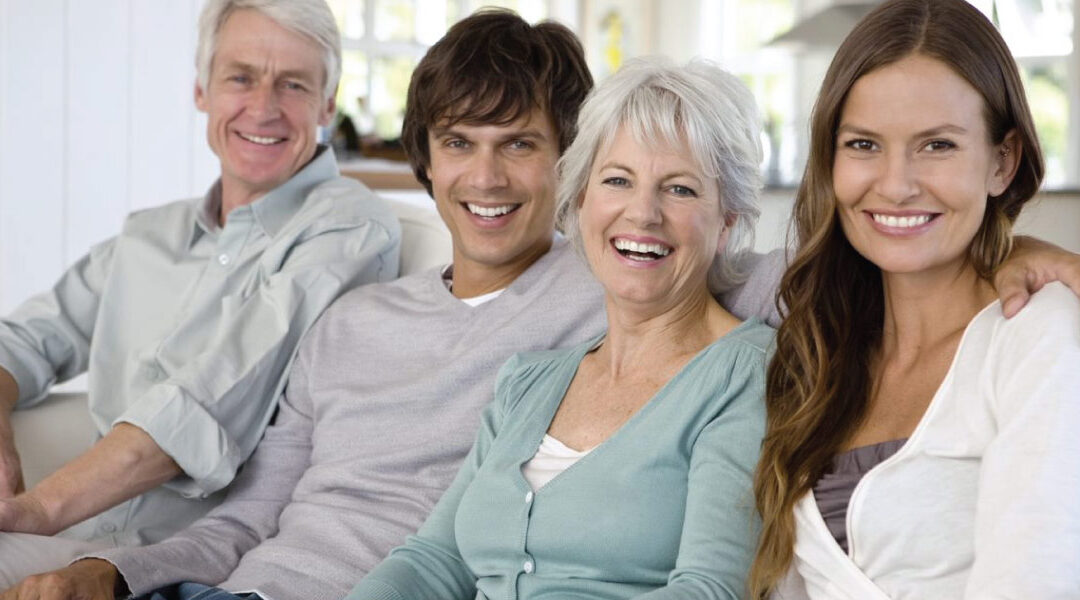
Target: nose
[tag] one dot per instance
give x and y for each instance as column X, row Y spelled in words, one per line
column 643, row 208
column 897, row 181
column 263, row 102
column 487, row 170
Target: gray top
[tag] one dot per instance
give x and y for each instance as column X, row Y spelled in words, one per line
column 833, row 491
column 382, row 406
column 186, row 328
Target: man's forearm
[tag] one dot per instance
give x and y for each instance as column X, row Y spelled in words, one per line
column 9, row 392
column 122, row 465
column 11, row 479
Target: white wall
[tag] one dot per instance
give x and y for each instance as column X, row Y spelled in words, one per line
column 96, row 120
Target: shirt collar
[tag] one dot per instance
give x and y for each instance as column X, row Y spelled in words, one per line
column 274, row 209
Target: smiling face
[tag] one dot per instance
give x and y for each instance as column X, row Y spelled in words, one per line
column 494, row 187
column 651, row 223
column 265, row 102
column 914, row 166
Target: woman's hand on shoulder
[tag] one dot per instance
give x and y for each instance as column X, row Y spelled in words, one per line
column 1032, row 264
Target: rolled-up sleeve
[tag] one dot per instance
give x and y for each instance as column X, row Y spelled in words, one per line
column 47, row 338
column 209, row 412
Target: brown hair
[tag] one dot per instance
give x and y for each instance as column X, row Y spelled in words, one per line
column 820, row 378
column 493, row 67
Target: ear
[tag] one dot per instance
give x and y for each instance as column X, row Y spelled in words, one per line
column 1005, row 163
column 725, row 233
column 201, row 100
column 326, row 116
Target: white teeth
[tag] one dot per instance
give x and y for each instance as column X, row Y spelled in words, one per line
column 265, row 141
column 490, row 211
column 640, row 248
column 901, row 222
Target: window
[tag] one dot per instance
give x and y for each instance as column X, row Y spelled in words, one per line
column 382, row 40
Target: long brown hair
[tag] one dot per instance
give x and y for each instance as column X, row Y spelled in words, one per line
column 820, row 378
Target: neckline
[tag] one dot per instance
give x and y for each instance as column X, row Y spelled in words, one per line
column 855, row 503
column 631, row 423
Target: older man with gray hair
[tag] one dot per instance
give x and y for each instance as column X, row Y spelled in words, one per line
column 188, row 319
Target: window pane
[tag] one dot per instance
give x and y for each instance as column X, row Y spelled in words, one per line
column 1049, row 102
column 1032, row 27
column 350, row 17
column 395, row 20
column 433, row 17
column 353, row 93
column 530, row 10
column 390, row 85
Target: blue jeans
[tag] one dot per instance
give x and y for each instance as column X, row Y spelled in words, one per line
column 194, row 591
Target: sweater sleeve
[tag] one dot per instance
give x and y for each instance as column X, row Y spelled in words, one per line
column 1027, row 517
column 210, row 549
column 429, row 565
column 721, row 525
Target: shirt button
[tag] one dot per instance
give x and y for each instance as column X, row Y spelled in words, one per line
column 223, row 259
column 528, row 497
column 528, row 566
column 108, row 528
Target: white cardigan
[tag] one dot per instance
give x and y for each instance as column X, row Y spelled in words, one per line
column 983, row 501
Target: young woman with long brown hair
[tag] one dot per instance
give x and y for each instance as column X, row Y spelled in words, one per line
column 919, row 445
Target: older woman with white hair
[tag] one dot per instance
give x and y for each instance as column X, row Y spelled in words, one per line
column 622, row 467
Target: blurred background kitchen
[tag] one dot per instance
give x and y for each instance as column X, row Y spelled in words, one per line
column 97, row 118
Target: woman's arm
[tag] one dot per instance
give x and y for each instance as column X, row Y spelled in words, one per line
column 1027, row 520
column 721, row 526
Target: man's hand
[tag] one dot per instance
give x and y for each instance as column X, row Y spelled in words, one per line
column 1032, row 264
column 87, row 579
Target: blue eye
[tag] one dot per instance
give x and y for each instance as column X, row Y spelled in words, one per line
column 615, row 181
column 456, row 143
column 521, row 145
column 682, row 190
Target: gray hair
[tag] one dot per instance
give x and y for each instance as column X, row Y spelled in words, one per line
column 698, row 104
column 309, row 18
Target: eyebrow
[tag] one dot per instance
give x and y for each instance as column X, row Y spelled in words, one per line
column 287, row 74
column 618, row 165
column 452, row 131
column 940, row 129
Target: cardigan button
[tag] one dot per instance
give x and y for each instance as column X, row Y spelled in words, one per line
column 528, row 497
column 528, row 566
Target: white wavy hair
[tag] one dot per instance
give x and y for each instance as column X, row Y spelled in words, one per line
column 698, row 104
column 309, row 18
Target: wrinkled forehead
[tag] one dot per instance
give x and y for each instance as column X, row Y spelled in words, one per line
column 663, row 133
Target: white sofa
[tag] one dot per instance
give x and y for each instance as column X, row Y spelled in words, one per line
column 59, row 429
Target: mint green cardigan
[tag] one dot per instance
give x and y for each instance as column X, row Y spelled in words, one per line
column 662, row 509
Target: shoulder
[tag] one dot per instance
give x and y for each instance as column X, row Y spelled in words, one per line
column 1052, row 316
column 344, row 203
column 526, row 371
column 177, row 211
column 744, row 352
column 732, row 371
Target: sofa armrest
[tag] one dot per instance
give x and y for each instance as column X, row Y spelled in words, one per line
column 52, row 433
